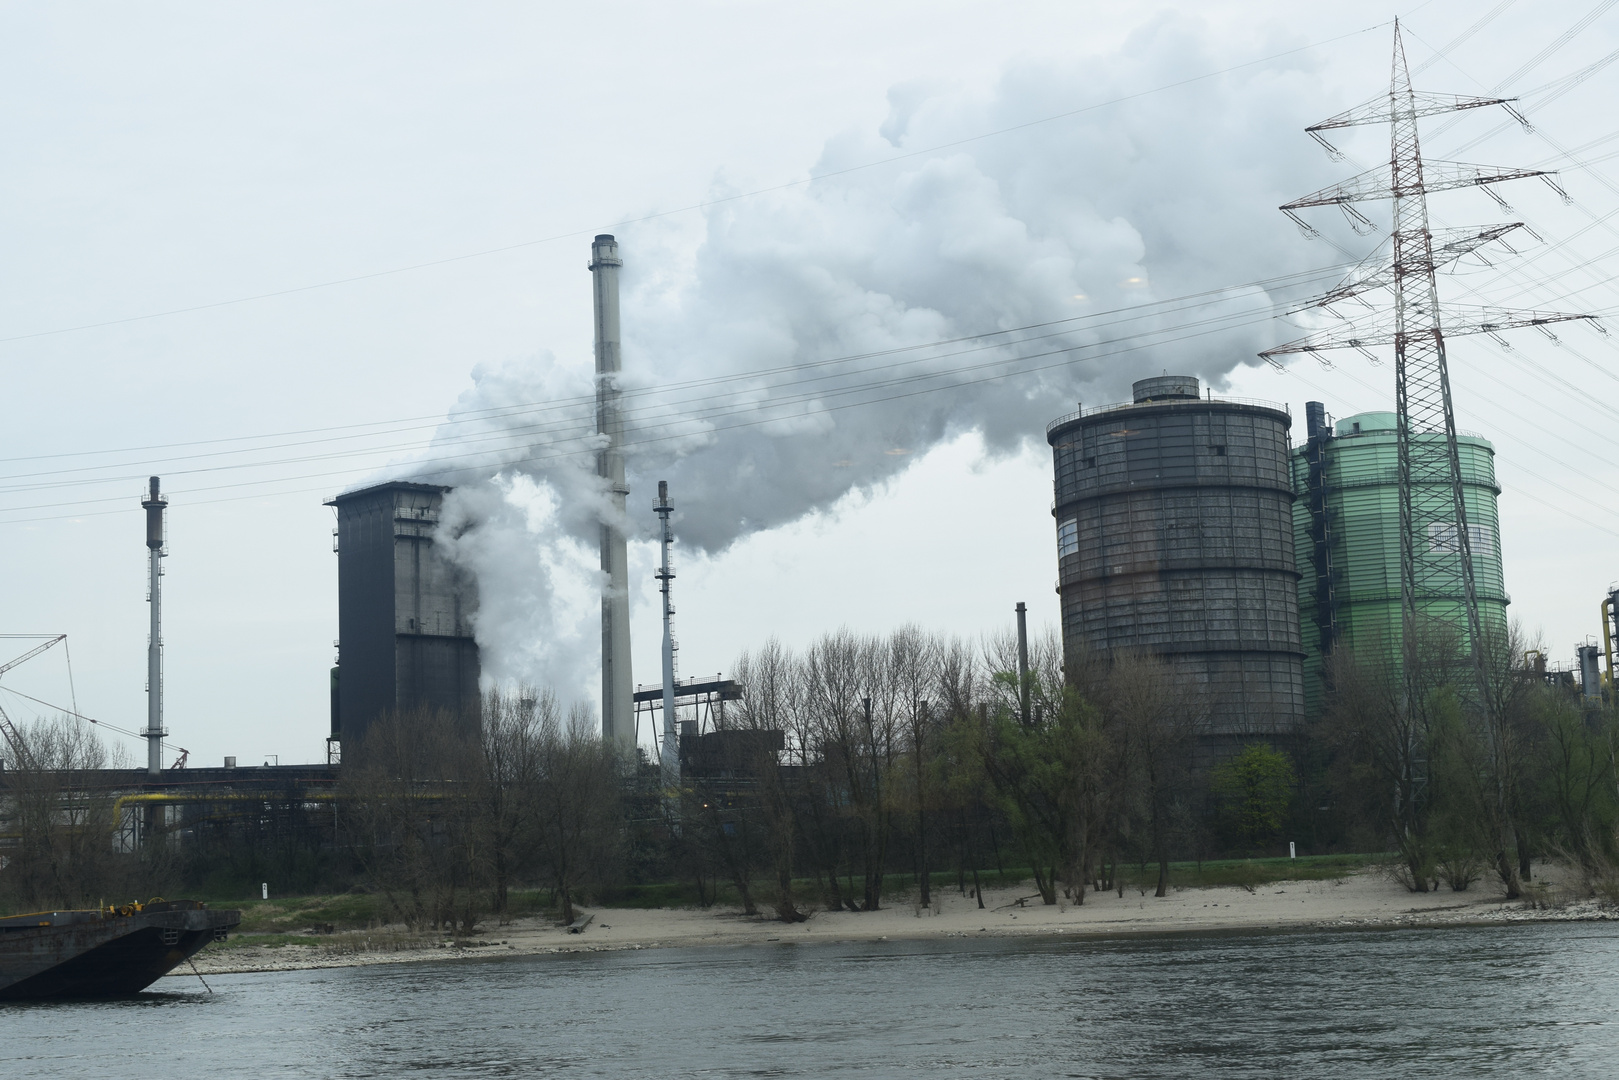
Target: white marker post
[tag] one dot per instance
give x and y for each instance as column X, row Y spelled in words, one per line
column 264, row 890
column 1292, row 850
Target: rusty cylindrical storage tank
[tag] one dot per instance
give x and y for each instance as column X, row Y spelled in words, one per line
column 1175, row 538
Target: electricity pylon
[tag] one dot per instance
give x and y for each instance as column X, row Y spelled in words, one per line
column 1436, row 542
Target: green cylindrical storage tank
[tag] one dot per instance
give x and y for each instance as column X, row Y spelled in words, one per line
column 1347, row 533
column 1175, row 538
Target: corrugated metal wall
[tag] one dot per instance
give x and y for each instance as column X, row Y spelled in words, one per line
column 404, row 611
column 1176, row 538
column 1362, row 501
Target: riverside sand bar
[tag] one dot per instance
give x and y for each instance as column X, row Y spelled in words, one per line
column 1362, row 900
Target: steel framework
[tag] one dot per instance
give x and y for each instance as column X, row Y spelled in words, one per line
column 1436, row 542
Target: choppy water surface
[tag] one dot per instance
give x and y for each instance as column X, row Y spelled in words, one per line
column 1486, row 1001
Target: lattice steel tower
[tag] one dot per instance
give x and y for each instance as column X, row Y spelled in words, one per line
column 1436, row 542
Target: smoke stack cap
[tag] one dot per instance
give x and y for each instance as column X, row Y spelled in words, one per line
column 604, row 252
column 1165, row 388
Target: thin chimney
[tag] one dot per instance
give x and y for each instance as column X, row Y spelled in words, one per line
column 154, row 504
column 670, row 755
column 618, row 689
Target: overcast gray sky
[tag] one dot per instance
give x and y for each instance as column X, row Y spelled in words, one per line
column 268, row 253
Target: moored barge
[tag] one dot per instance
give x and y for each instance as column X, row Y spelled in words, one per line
column 110, row 952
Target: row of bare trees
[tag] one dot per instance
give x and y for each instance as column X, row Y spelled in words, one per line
column 1467, row 772
column 861, row 758
column 444, row 815
column 59, row 820
column 917, row 753
column 441, row 815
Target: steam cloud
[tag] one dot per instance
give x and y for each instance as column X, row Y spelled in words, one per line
column 1159, row 196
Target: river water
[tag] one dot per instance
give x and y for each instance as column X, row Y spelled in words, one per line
column 1537, row 999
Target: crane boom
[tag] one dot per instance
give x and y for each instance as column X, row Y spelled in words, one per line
column 31, row 653
column 19, row 752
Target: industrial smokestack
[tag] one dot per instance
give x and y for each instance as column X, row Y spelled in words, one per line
column 1023, row 663
column 154, row 504
column 670, row 754
column 1590, row 673
column 618, row 689
column 1316, row 424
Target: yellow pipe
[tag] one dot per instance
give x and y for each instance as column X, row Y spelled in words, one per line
column 195, row 797
column 1607, row 636
column 164, row 798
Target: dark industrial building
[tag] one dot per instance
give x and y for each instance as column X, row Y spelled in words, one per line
column 1175, row 538
column 404, row 611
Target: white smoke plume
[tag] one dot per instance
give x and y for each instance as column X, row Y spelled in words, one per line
column 729, row 396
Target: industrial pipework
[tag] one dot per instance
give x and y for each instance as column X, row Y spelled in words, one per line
column 1610, row 612
column 670, row 753
column 618, row 688
column 154, row 505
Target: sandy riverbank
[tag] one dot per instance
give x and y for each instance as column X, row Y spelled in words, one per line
column 1363, row 900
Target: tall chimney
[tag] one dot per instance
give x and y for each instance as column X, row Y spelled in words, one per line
column 154, row 504
column 618, row 689
column 1023, row 663
column 670, row 754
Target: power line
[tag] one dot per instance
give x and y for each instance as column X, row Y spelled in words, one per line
column 74, row 712
column 1459, row 39
column 704, row 205
column 648, row 435
column 800, row 379
column 437, row 469
column 439, row 420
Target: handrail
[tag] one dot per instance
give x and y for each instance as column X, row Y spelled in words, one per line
column 1461, row 433
column 1278, row 406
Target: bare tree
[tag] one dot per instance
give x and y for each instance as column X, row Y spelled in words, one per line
column 914, row 663
column 61, row 819
column 1509, row 738
column 845, row 729
column 1043, row 771
column 811, row 786
column 1387, row 726
column 959, row 778
column 1154, row 715
column 770, row 681
column 1577, row 761
column 959, row 679
column 411, row 818
column 506, row 785
column 577, row 803
column 880, row 706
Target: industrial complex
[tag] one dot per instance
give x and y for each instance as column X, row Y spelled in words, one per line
column 1206, row 531
column 1192, row 527
column 1189, row 527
